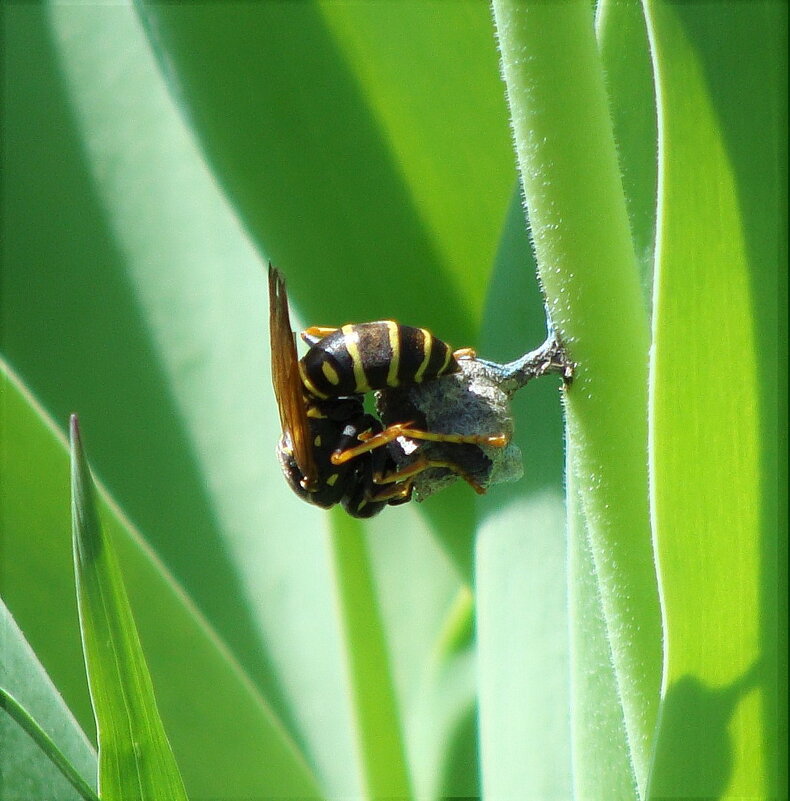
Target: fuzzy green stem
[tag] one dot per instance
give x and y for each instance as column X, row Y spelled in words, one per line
column 577, row 212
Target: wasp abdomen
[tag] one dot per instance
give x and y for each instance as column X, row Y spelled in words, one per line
column 368, row 356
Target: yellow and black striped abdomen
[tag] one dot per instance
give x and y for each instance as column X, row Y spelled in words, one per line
column 367, row 356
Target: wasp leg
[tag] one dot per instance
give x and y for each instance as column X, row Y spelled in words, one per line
column 465, row 353
column 408, row 472
column 493, row 440
column 316, row 333
column 372, row 441
column 394, row 492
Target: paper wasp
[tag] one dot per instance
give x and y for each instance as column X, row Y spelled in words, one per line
column 331, row 451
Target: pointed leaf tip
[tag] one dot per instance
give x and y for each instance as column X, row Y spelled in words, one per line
column 74, row 432
column 85, row 524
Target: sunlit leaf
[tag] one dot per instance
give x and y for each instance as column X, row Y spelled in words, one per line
column 135, row 757
column 712, row 425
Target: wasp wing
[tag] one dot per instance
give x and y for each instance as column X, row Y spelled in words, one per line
column 285, row 378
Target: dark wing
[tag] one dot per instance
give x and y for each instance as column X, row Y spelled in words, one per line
column 285, row 378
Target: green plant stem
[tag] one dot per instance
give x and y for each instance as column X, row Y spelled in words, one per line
column 587, row 267
column 26, row 721
column 379, row 734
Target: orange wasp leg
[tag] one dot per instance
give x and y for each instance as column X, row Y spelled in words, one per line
column 391, row 493
column 408, row 473
column 372, row 441
column 310, row 335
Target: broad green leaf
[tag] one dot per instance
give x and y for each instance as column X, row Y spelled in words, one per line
column 198, row 288
column 431, row 81
column 587, row 266
column 520, row 571
column 376, row 201
column 713, row 426
column 135, row 757
column 523, row 651
column 26, row 771
column 229, row 742
column 64, row 262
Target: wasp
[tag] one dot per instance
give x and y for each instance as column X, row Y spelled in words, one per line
column 331, row 451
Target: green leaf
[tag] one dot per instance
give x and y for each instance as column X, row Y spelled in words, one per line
column 365, row 147
column 520, row 558
column 27, row 765
column 385, row 180
column 714, row 433
column 628, row 71
column 523, row 651
column 599, row 742
column 378, row 726
column 135, row 757
column 426, row 614
column 453, row 155
column 586, row 261
column 247, row 551
column 229, row 741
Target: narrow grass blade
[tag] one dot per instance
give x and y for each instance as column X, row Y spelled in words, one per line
column 588, row 268
column 378, row 728
column 135, row 758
